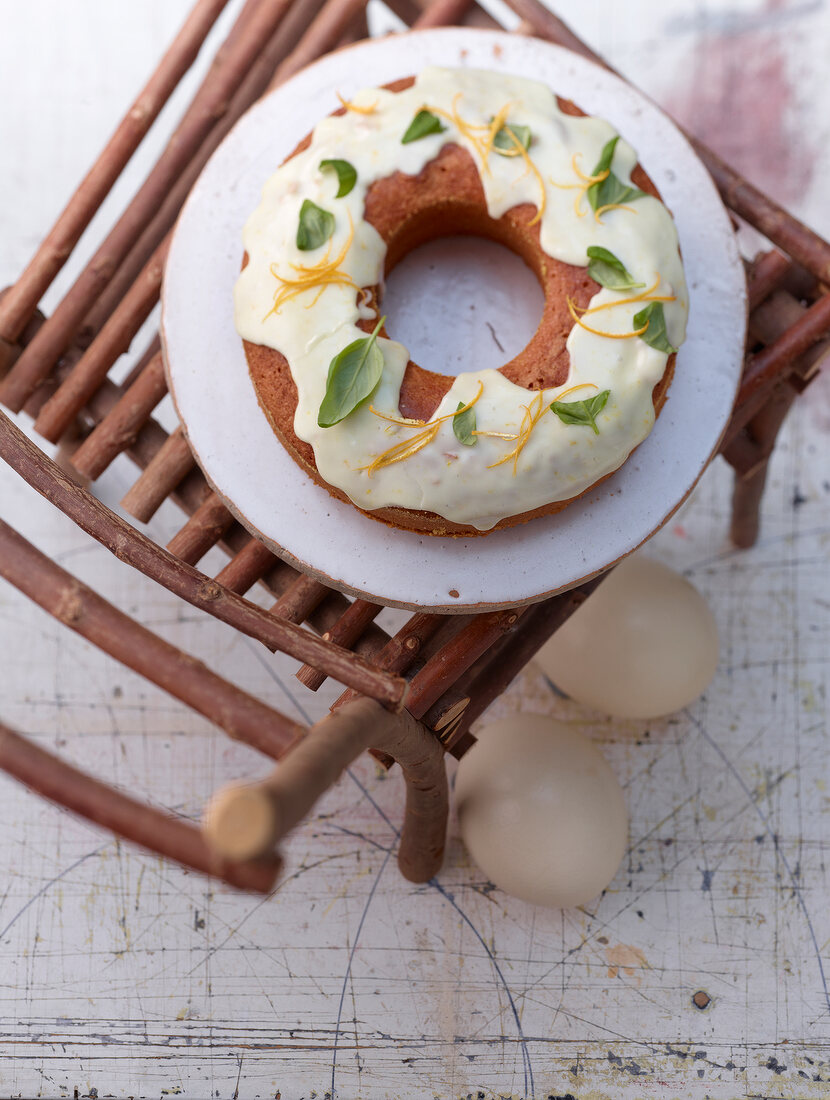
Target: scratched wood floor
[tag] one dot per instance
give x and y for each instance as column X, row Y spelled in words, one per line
column 123, row 976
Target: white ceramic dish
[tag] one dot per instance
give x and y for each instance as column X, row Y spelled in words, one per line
column 274, row 498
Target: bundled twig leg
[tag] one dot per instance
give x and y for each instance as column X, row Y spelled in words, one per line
column 250, row 819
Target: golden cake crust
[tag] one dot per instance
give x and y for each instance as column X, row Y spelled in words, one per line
column 447, row 198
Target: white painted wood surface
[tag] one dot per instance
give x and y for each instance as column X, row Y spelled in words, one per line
column 122, row 976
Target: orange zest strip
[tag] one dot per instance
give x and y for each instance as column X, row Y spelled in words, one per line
column 523, row 153
column 347, row 103
column 643, row 296
column 483, row 143
column 403, row 450
column 599, row 332
column 533, row 413
column 408, row 447
column 573, row 389
column 472, row 131
column 587, row 181
column 600, row 210
column 310, row 276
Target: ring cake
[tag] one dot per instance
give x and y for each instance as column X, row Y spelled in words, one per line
column 460, row 151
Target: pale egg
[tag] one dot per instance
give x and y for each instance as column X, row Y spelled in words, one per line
column 540, row 811
column 642, row 645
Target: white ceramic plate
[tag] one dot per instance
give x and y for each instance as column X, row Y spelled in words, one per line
column 301, row 522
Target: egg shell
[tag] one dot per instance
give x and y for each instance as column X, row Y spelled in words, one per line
column 643, row 645
column 540, row 811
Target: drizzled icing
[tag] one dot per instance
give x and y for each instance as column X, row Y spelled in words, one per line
column 470, row 485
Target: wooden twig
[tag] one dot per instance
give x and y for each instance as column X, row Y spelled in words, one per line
column 247, row 566
column 118, row 430
column 322, row 35
column 300, row 599
column 444, row 669
column 780, row 227
column 406, row 10
column 348, row 628
column 765, row 274
column 171, row 462
column 210, row 101
column 748, row 487
column 141, row 362
column 768, row 368
column 17, row 307
column 253, row 818
column 152, row 829
column 202, row 531
column 77, row 606
column 401, row 651
column 197, row 589
column 442, row 13
column 114, row 339
column 488, row 679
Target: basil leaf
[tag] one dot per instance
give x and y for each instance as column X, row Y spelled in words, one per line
column 315, row 226
column 346, row 175
column 655, row 335
column 609, row 190
column 582, row 412
column 607, row 270
column 353, row 376
column 464, row 424
column 503, row 143
column 425, row 122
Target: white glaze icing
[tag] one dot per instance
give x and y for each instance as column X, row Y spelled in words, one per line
column 461, row 483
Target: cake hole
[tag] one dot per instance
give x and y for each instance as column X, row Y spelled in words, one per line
column 461, row 304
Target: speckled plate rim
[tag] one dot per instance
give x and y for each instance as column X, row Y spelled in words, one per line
column 302, row 523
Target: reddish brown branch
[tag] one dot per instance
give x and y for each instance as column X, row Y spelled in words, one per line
column 152, row 829
column 256, row 80
column 201, row 591
column 202, row 531
column 112, row 341
column 171, row 462
column 492, row 675
column 251, row 819
column 797, row 239
column 18, row 306
column 345, row 632
column 323, row 34
column 301, row 597
column 768, row 368
column 442, row 13
column 75, row 605
column 118, row 430
column 247, row 566
column 444, row 669
column 765, row 274
column 209, row 103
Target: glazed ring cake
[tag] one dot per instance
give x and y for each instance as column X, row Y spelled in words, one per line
column 455, row 151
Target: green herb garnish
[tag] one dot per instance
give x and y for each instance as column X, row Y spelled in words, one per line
column 607, row 270
column 503, row 143
column 315, row 226
column 353, row 376
column 425, row 122
column 582, row 412
column 464, row 424
column 655, row 335
column 610, row 190
column 346, row 175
